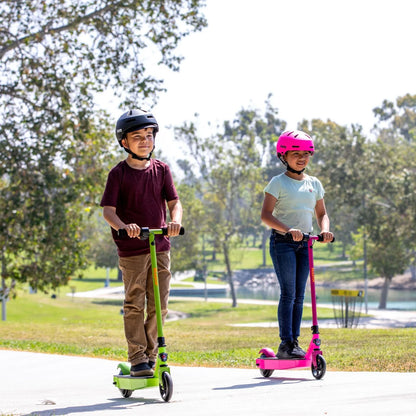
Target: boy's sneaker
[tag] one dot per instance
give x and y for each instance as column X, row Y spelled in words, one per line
column 297, row 349
column 152, row 364
column 141, row 370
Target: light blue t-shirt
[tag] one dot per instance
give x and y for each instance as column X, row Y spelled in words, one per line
column 296, row 200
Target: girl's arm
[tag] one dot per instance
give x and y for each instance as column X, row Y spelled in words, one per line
column 268, row 218
column 323, row 220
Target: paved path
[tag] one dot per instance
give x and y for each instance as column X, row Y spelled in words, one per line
column 51, row 385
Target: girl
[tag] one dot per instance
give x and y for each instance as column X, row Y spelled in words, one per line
column 290, row 199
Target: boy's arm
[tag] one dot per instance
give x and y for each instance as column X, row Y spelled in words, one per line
column 110, row 215
column 175, row 213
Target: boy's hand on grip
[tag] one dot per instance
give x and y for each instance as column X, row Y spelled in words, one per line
column 174, row 229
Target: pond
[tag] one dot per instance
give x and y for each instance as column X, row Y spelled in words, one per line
column 397, row 299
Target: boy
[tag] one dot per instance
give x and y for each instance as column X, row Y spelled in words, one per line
column 136, row 194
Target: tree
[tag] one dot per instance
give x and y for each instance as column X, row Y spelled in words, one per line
column 231, row 176
column 387, row 215
column 185, row 250
column 43, row 205
column 396, row 125
column 396, row 121
column 337, row 162
column 55, row 57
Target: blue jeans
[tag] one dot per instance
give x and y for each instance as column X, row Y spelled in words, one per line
column 291, row 263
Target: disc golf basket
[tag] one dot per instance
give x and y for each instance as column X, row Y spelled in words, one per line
column 347, row 307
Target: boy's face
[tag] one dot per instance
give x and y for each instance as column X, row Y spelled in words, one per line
column 140, row 141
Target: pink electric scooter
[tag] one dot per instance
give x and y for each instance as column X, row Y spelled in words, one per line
column 268, row 362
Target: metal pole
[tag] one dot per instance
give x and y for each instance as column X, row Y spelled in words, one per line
column 3, row 287
column 365, row 273
column 365, row 265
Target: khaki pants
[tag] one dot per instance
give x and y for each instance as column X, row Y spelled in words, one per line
column 141, row 333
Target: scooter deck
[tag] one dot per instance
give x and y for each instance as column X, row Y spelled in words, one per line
column 273, row 363
column 127, row 382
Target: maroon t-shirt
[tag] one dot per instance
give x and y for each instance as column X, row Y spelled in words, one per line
column 140, row 197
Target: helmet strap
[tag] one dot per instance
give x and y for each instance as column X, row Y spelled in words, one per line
column 134, row 156
column 298, row 172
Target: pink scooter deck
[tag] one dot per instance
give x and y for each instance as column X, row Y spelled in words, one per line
column 269, row 361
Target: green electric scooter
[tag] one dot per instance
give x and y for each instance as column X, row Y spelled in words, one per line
column 161, row 377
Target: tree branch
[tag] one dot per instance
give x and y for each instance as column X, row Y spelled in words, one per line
column 46, row 30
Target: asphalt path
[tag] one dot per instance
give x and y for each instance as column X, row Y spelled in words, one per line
column 46, row 385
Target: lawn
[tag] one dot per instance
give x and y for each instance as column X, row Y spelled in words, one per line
column 94, row 328
column 64, row 324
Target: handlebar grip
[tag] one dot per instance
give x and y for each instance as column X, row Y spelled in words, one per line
column 122, row 233
column 320, row 238
column 165, row 231
column 144, row 232
column 306, row 237
column 289, row 237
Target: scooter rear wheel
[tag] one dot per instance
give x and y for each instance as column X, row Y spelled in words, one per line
column 124, row 392
column 319, row 371
column 263, row 371
column 166, row 386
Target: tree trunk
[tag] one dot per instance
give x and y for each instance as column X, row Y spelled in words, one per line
column 413, row 271
column 384, row 293
column 229, row 274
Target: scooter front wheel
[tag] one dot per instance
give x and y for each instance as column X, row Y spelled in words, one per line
column 319, row 370
column 166, row 386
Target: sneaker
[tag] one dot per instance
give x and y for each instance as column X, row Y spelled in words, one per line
column 297, row 349
column 152, row 364
column 286, row 352
column 141, row 370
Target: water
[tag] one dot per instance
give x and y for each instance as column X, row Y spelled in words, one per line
column 397, row 299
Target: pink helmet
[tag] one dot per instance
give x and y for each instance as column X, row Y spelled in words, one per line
column 294, row 140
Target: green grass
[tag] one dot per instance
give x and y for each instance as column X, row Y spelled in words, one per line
column 94, row 328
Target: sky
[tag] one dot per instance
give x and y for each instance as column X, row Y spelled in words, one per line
column 327, row 59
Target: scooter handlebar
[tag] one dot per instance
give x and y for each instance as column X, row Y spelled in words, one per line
column 145, row 231
column 307, row 237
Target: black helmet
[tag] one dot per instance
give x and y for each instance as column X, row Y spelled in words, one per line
column 134, row 120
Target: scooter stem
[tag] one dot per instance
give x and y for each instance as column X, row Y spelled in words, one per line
column 312, row 283
column 156, row 287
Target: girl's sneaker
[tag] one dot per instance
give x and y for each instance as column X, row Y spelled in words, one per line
column 297, row 349
column 286, row 351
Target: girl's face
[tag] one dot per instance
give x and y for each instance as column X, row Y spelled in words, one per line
column 140, row 141
column 297, row 160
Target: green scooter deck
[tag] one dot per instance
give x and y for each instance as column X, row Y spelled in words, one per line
column 127, row 382
column 124, row 381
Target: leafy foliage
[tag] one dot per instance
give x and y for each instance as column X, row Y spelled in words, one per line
column 55, row 57
column 230, row 175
